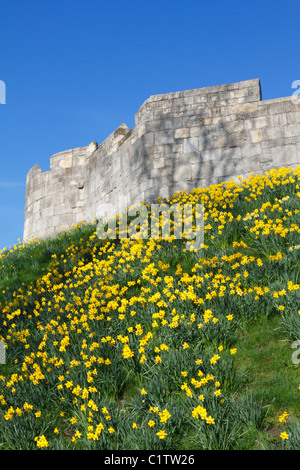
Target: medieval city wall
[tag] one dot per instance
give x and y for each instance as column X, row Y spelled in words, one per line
column 180, row 141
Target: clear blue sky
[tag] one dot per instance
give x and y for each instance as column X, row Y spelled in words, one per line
column 76, row 69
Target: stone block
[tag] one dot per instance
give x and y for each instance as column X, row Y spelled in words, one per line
column 245, row 108
column 233, row 126
column 273, row 133
column 250, row 150
column 177, row 148
column 191, row 145
column 189, row 158
column 212, row 154
column 164, row 137
column 224, row 140
column 248, row 164
column 292, row 117
column 171, row 122
column 159, row 162
column 182, row 173
column 206, row 142
column 196, row 120
column 230, row 153
column 182, row 133
column 188, row 100
column 160, row 172
column 279, row 106
column 256, row 135
column 285, row 155
column 224, row 167
column 279, row 119
column 196, row 131
column 148, row 139
column 260, row 122
column 203, row 171
column 265, row 157
column 292, row 130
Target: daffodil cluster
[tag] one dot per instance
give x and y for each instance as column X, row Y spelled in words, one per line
column 130, row 342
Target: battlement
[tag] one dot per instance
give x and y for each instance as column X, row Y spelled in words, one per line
column 73, row 157
column 181, row 140
column 192, row 102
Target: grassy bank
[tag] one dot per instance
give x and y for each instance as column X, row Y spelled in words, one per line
column 144, row 344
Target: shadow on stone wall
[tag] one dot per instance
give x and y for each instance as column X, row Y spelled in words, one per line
column 207, row 157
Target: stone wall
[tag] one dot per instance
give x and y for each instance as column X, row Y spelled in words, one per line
column 180, row 141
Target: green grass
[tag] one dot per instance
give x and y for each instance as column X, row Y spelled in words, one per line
column 266, row 369
column 265, row 362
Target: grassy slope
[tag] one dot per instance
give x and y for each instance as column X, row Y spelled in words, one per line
column 264, row 370
column 264, row 363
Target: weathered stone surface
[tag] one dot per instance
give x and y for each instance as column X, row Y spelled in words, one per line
column 181, row 140
column 182, row 133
